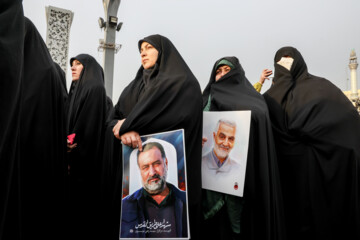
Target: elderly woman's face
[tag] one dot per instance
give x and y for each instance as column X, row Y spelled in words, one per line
column 148, row 54
column 76, row 69
column 221, row 71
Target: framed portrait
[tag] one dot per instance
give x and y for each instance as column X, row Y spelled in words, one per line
column 154, row 196
column 225, row 149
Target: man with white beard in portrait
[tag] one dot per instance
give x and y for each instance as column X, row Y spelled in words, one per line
column 217, row 163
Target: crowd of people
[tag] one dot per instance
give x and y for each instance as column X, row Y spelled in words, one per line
column 61, row 156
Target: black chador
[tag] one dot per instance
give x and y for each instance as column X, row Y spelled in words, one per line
column 262, row 216
column 42, row 141
column 87, row 108
column 317, row 136
column 12, row 52
column 164, row 98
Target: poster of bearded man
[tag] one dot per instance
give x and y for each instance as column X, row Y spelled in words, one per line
column 154, row 196
column 225, row 149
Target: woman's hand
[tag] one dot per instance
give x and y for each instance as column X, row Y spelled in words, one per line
column 132, row 139
column 265, row 75
column 117, row 127
column 70, row 147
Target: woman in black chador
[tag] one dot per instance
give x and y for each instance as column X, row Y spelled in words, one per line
column 12, row 51
column 42, row 141
column 258, row 214
column 87, row 105
column 316, row 131
column 164, row 96
column 32, row 132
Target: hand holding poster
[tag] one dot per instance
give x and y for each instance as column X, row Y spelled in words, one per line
column 154, row 201
column 225, row 147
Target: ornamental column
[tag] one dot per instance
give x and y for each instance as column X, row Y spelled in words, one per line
column 58, row 33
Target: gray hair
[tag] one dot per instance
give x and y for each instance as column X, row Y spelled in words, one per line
column 225, row 121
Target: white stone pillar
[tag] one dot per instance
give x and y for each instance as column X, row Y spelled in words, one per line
column 353, row 66
column 58, row 33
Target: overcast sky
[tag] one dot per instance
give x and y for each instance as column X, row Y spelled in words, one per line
column 324, row 31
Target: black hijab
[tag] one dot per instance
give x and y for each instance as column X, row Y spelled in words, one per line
column 263, row 215
column 164, row 98
column 87, row 105
column 316, row 129
column 42, row 140
column 90, row 84
column 87, row 109
column 233, row 91
column 171, row 101
column 11, row 68
column 172, row 87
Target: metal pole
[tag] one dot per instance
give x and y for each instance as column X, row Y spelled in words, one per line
column 108, row 45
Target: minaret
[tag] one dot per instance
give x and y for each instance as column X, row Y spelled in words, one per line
column 353, row 66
